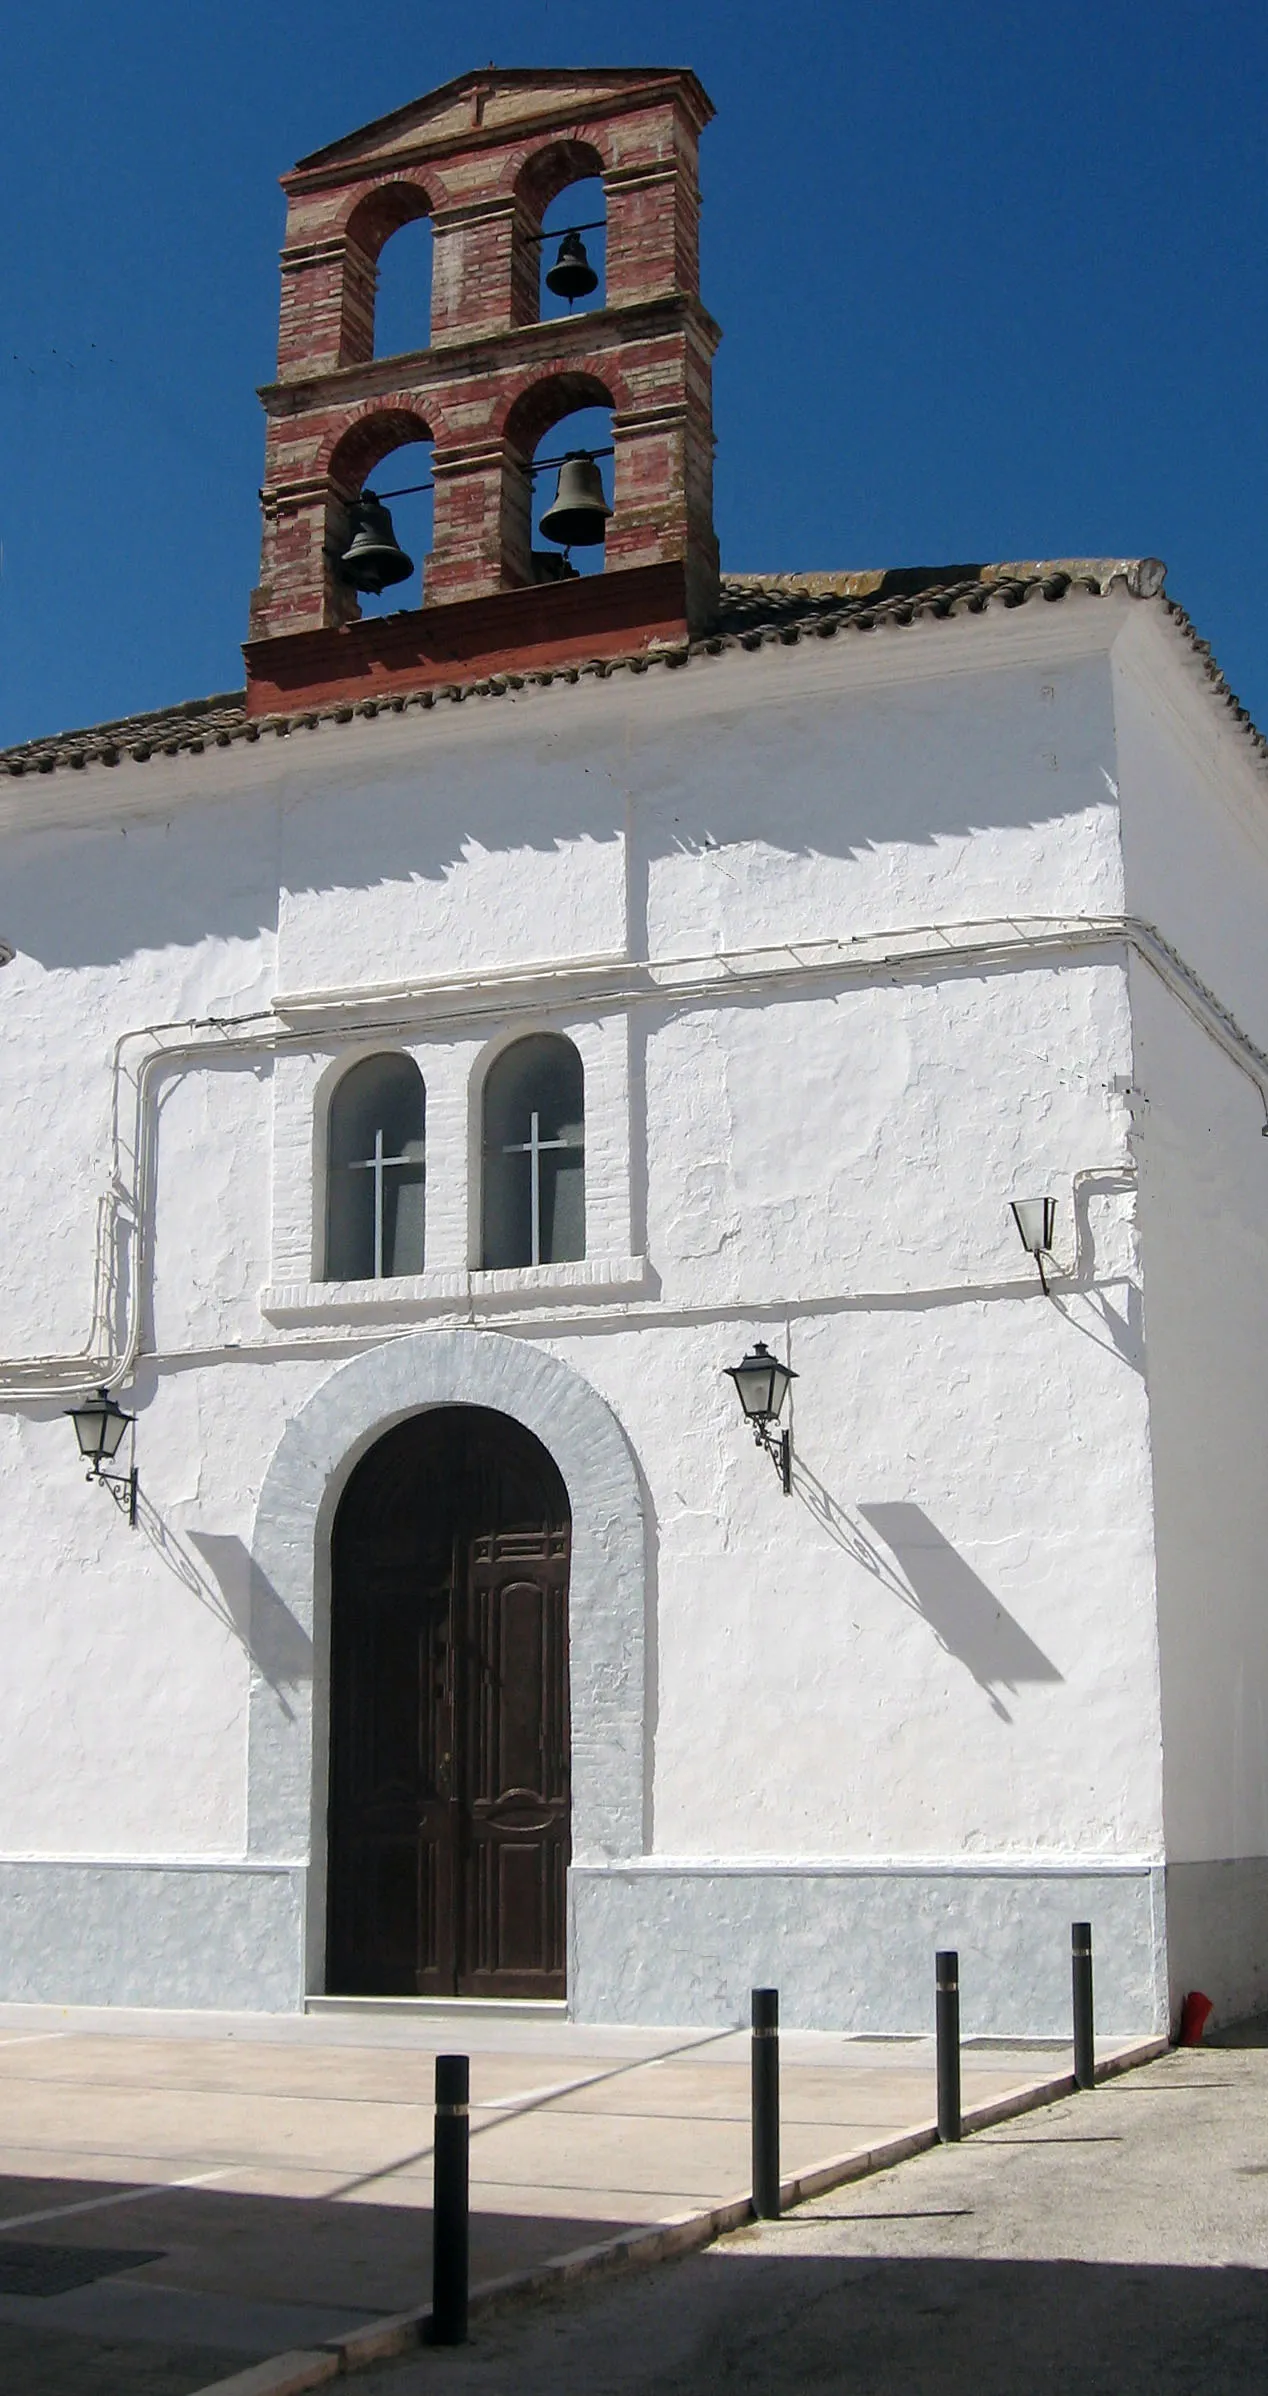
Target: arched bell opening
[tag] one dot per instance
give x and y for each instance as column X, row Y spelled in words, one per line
column 558, row 189
column 402, row 304
column 573, row 251
column 388, row 272
column 560, row 505
column 379, row 525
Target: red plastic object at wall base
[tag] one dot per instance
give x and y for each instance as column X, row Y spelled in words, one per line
column 1195, row 2013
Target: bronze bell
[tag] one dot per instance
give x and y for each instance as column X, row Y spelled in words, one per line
column 578, row 516
column 572, row 275
column 374, row 557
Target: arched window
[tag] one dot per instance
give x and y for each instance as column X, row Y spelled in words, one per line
column 534, row 1155
column 375, row 1170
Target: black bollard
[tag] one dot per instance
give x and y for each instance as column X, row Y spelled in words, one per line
column 450, row 2208
column 1081, row 1973
column 947, row 1986
column 766, row 2103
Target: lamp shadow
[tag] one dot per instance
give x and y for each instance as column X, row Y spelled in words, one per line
column 1121, row 1333
column 279, row 1646
column 225, row 1578
column 909, row 1556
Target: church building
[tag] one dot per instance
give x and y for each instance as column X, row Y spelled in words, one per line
column 634, row 1293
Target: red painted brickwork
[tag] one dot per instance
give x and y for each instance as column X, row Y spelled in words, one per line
column 483, row 157
column 515, row 632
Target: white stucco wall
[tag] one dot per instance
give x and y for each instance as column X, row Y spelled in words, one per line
column 941, row 1652
column 1196, row 853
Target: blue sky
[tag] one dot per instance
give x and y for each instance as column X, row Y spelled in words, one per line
column 991, row 280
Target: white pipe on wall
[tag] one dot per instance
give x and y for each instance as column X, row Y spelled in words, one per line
column 123, row 1241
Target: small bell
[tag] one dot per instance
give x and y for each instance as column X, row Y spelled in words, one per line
column 374, row 557
column 578, row 516
column 572, row 275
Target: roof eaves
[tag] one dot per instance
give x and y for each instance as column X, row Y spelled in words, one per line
column 757, row 611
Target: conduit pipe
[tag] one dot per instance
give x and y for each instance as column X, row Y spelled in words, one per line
column 124, row 1240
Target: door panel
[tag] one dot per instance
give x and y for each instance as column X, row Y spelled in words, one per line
column 391, row 1867
column 516, row 1746
column 449, row 1798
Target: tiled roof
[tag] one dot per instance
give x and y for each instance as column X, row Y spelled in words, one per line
column 754, row 610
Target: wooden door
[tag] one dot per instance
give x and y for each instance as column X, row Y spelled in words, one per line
column 449, row 1808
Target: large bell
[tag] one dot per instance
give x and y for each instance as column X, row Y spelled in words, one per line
column 578, row 516
column 572, row 275
column 373, row 557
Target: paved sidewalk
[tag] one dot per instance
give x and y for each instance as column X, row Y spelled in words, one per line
column 1115, row 2244
column 180, row 2195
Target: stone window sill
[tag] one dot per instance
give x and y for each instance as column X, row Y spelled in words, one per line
column 410, row 1297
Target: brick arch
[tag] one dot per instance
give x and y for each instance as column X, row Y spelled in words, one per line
column 539, row 405
column 548, row 171
column 356, row 447
column 375, row 215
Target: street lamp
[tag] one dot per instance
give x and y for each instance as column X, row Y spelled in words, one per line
column 99, row 1427
column 1036, row 1219
column 762, row 1384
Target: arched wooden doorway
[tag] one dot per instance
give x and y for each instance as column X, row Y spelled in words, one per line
column 449, row 1762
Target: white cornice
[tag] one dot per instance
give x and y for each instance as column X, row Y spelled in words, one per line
column 613, row 701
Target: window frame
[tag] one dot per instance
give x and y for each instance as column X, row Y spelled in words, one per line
column 495, row 1156
column 453, row 1057
column 411, row 1083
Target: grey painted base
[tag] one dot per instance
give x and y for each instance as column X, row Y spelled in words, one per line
column 849, row 1948
column 853, row 1949
column 1217, row 1934
column 227, row 1937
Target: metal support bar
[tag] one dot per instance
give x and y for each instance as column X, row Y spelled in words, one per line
column 766, row 2103
column 543, row 465
column 947, row 1998
column 450, row 2258
column 1081, row 1975
column 539, row 466
column 597, row 224
column 406, row 491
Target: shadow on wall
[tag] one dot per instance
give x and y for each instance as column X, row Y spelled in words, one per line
column 939, row 767
column 225, row 1578
column 279, row 1646
column 910, row 1556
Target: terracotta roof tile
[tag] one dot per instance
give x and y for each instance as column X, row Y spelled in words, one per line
column 755, row 610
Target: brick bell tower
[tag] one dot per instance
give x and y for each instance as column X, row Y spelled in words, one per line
column 483, row 157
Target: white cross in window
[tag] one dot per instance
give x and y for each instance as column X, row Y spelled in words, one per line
column 378, row 1165
column 533, row 1148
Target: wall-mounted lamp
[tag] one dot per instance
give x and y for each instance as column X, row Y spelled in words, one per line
column 99, row 1428
column 762, row 1383
column 1035, row 1219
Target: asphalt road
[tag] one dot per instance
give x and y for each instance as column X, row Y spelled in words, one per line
column 1115, row 2244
